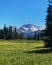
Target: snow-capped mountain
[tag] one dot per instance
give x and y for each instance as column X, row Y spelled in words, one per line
column 29, row 29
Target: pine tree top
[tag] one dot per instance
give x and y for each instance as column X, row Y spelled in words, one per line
column 50, row 2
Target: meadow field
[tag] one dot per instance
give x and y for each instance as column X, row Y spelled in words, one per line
column 24, row 53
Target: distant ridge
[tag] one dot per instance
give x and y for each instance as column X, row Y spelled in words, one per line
column 29, row 29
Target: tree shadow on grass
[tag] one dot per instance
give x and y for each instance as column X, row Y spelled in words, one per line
column 40, row 51
column 39, row 47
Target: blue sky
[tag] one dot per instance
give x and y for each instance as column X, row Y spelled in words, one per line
column 20, row 12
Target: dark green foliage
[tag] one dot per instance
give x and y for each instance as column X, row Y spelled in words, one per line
column 42, row 34
column 5, row 31
column 15, row 33
column 8, row 33
column 29, row 38
column 48, row 30
column 11, row 33
column 21, row 36
column 38, row 36
column 1, row 34
column 35, row 35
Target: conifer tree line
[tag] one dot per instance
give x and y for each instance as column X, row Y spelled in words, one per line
column 10, row 33
column 48, row 30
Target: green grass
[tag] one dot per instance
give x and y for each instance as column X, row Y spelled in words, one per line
column 25, row 53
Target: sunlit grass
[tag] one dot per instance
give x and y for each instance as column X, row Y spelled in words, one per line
column 17, row 53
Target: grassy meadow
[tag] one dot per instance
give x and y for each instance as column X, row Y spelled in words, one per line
column 24, row 53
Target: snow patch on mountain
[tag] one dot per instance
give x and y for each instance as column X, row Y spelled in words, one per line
column 29, row 28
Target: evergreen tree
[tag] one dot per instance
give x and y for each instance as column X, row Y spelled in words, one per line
column 42, row 34
column 21, row 36
column 1, row 34
column 15, row 33
column 10, row 33
column 35, row 35
column 5, row 32
column 48, row 30
column 30, row 37
column 38, row 36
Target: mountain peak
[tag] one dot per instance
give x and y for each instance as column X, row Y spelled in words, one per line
column 29, row 28
column 29, row 25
